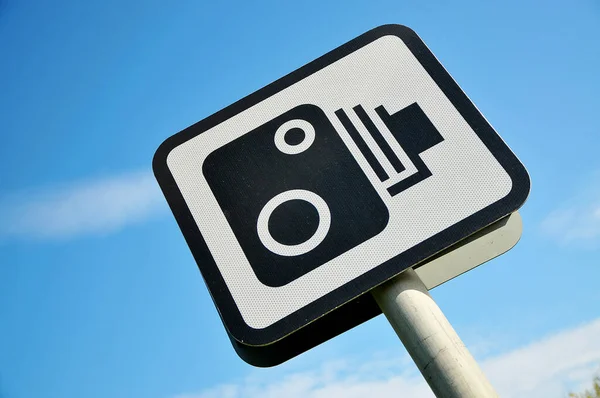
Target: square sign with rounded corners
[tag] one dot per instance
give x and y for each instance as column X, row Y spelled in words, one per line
column 313, row 190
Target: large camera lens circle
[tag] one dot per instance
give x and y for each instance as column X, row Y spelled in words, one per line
column 287, row 247
column 287, row 139
column 293, row 222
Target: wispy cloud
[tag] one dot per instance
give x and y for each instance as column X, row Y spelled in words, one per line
column 97, row 206
column 578, row 221
column 547, row 368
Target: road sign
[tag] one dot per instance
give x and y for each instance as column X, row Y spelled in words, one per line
column 310, row 192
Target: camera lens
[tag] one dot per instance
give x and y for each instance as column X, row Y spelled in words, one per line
column 293, row 222
column 285, row 224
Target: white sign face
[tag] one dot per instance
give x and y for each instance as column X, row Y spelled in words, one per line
column 330, row 181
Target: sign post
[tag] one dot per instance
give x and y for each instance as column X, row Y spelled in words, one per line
column 301, row 198
column 434, row 346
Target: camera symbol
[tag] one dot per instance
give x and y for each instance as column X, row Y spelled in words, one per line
column 294, row 194
column 324, row 222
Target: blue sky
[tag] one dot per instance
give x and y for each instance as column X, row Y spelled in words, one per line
column 99, row 295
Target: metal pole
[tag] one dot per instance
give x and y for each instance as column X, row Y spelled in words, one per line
column 433, row 344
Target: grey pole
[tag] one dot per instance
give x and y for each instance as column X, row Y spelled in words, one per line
column 431, row 341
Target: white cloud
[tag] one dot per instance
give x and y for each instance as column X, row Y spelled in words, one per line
column 549, row 368
column 577, row 222
column 91, row 207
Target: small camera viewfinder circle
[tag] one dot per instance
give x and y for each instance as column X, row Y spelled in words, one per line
column 303, row 145
column 281, row 249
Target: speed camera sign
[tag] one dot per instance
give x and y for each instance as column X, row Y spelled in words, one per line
column 322, row 185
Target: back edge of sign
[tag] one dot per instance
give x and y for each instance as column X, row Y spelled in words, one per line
column 477, row 249
column 471, row 252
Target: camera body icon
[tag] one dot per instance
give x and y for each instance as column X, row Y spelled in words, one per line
column 294, row 195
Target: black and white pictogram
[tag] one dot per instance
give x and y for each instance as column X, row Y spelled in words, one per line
column 294, row 195
column 303, row 196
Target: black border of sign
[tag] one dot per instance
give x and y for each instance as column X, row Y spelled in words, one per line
column 224, row 302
